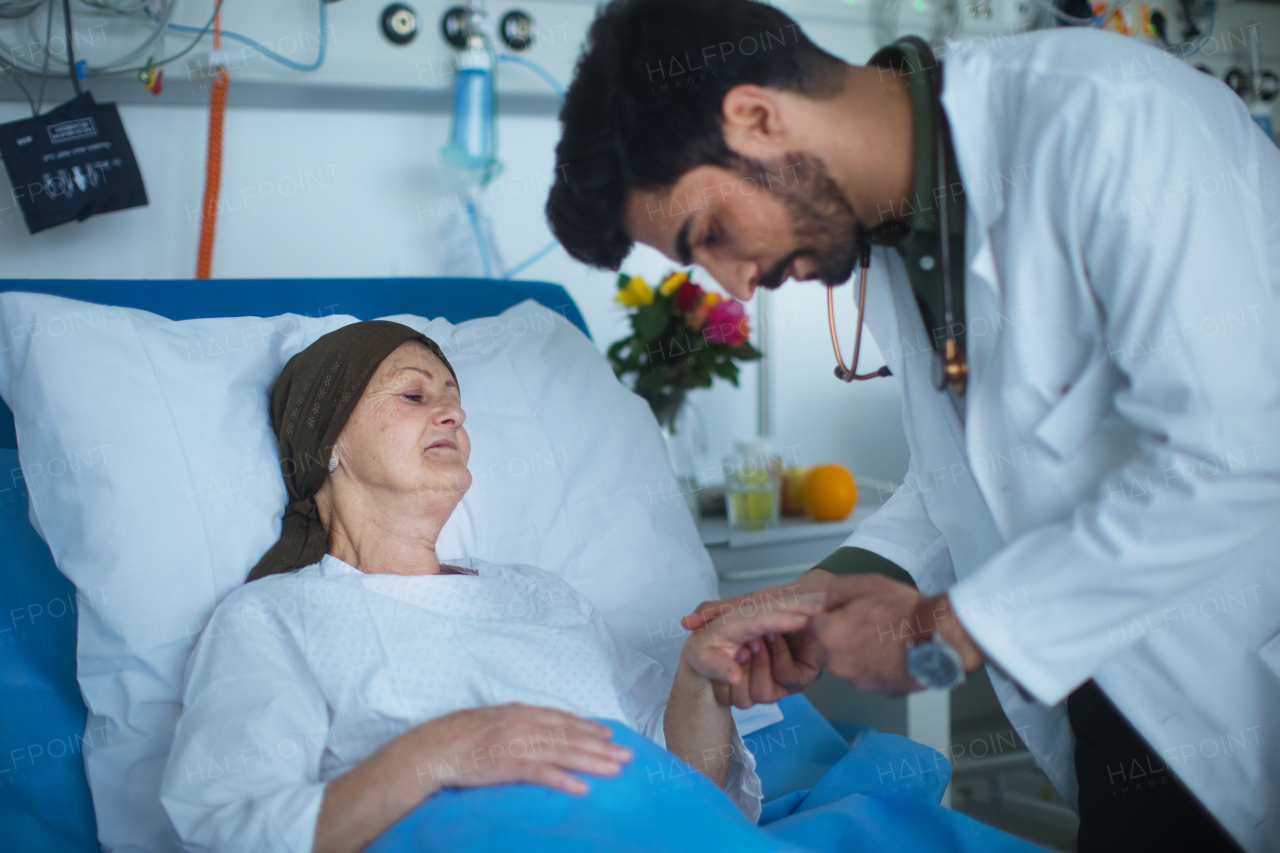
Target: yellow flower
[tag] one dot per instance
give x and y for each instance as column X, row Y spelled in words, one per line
column 636, row 293
column 672, row 283
column 709, row 298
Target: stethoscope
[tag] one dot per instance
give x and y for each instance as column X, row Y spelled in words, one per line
column 950, row 367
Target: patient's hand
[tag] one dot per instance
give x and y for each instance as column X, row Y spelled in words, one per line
column 698, row 727
column 514, row 742
column 466, row 749
column 779, row 663
column 719, row 648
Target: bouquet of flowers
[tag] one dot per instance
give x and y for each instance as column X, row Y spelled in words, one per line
column 682, row 337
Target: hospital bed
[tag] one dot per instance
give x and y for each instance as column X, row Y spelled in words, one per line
column 45, row 802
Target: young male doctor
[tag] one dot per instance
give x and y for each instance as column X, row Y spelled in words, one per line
column 1089, row 365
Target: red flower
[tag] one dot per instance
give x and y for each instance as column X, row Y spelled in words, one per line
column 687, row 297
column 727, row 323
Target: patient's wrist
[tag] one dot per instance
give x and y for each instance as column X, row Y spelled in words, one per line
column 688, row 680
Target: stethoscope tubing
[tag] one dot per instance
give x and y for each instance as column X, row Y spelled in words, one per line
column 953, row 371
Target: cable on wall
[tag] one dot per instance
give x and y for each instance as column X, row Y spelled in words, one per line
column 71, row 50
column 268, row 52
column 213, row 160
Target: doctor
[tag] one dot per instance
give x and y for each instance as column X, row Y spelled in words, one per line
column 1089, row 367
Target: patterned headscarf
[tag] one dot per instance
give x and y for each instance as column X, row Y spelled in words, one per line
column 312, row 401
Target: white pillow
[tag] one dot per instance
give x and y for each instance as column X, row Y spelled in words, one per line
column 153, row 475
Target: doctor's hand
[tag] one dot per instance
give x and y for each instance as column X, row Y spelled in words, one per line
column 779, row 663
column 869, row 622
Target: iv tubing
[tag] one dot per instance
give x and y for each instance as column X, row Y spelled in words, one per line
column 559, row 90
column 479, row 235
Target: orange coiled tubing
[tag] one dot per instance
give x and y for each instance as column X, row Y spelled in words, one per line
column 213, row 164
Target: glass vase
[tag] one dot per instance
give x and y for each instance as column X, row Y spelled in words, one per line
column 685, row 443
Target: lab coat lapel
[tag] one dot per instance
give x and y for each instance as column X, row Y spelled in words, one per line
column 987, row 434
column 966, row 88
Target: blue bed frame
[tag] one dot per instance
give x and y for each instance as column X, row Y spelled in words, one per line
column 44, row 797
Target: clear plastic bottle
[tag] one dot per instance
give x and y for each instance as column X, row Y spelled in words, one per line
column 753, row 484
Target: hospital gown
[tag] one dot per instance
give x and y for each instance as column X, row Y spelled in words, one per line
column 301, row 676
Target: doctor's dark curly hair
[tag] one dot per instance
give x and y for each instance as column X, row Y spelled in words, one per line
column 644, row 106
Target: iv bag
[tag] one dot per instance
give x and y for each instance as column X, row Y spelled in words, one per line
column 471, row 138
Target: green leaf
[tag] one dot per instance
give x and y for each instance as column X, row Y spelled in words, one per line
column 650, row 322
column 727, row 370
column 623, row 278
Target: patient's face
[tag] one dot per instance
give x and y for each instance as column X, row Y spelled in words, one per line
column 406, row 433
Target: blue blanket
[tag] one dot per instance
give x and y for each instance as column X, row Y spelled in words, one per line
column 882, row 796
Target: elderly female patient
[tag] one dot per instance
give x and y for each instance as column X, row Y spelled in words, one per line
column 355, row 675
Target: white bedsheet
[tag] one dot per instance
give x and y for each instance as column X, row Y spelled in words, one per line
column 300, row 677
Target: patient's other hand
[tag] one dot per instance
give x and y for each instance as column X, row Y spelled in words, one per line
column 777, row 664
column 514, row 742
column 477, row 746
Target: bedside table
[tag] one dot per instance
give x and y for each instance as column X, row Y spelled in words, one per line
column 747, row 560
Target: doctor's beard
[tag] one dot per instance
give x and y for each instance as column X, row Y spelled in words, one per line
column 821, row 218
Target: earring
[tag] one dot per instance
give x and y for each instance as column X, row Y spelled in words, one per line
column 333, row 464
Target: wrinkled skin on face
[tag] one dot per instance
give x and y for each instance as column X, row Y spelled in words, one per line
column 406, row 433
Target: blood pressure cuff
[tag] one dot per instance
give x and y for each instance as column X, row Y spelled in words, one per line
column 860, row 561
column 71, row 163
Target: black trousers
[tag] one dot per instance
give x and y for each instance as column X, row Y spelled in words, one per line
column 1129, row 801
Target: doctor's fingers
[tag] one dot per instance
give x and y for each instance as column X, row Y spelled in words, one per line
column 847, row 588
column 797, row 659
column 862, row 650
column 807, row 588
column 758, row 687
column 744, row 625
column 709, row 610
column 841, row 632
column 739, row 693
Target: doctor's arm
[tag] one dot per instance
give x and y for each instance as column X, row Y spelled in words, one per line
column 1203, row 486
column 870, row 588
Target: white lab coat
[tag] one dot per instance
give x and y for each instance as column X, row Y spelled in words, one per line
column 1110, row 506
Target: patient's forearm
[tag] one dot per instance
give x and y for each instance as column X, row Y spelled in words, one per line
column 698, row 729
column 368, row 799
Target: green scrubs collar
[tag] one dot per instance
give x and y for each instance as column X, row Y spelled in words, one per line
column 912, row 226
column 913, row 229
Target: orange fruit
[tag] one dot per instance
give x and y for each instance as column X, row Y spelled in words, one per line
column 793, row 490
column 829, row 492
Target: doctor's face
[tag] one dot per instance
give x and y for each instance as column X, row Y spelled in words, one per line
column 754, row 226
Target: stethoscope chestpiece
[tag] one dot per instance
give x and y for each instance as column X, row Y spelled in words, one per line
column 950, row 368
